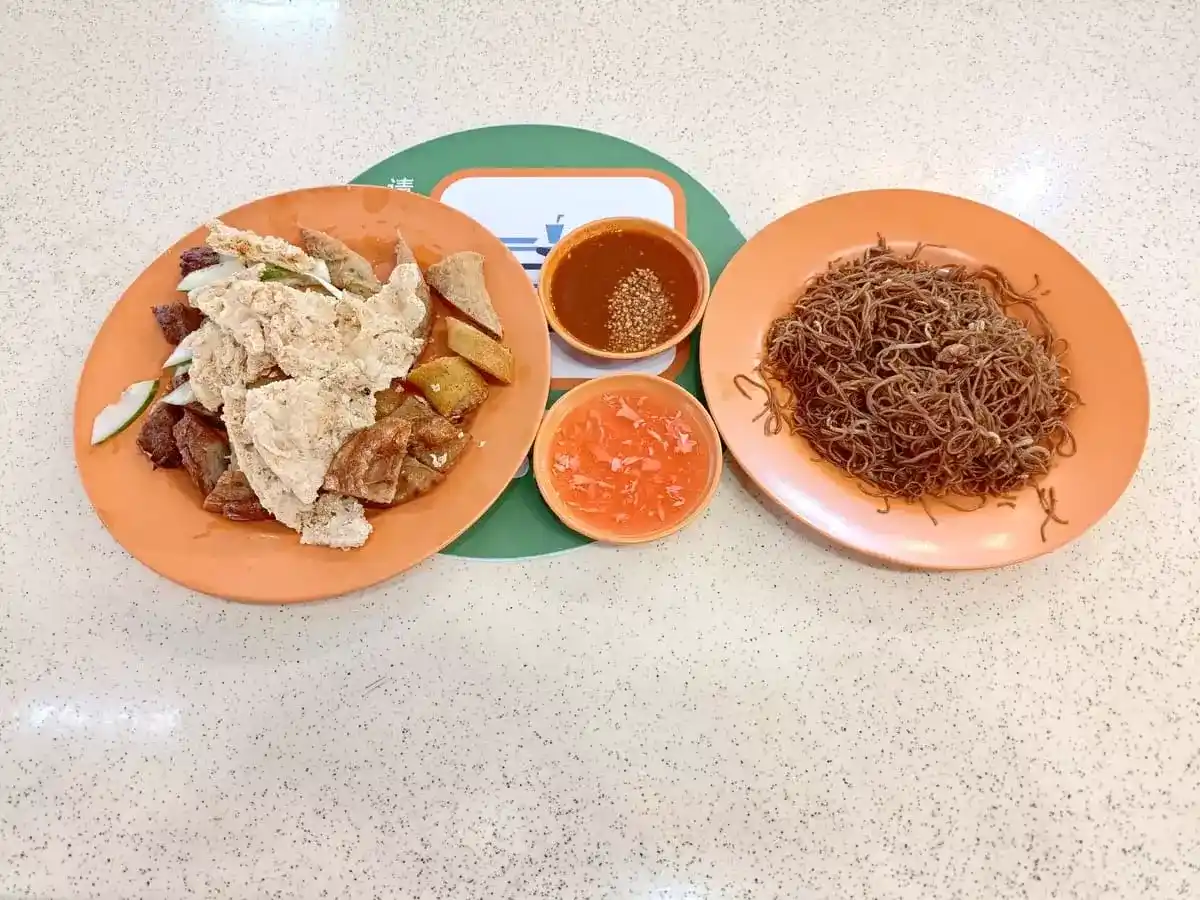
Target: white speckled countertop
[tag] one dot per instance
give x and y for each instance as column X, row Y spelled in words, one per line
column 740, row 712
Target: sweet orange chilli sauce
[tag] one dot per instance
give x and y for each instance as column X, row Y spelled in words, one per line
column 629, row 463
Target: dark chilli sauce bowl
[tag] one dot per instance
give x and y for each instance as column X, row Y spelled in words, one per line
column 674, row 251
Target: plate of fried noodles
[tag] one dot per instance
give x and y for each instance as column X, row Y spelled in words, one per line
column 924, row 379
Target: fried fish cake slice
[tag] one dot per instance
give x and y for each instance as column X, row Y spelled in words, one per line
column 347, row 270
column 459, row 278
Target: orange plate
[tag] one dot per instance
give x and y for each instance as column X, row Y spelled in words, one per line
column 767, row 274
column 157, row 516
column 627, row 383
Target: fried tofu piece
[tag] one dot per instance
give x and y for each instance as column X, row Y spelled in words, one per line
column 459, row 278
column 416, row 479
column 480, row 350
column 367, row 465
column 451, row 385
column 203, row 450
column 436, row 441
column 157, row 437
column 233, row 498
column 177, row 320
column 347, row 269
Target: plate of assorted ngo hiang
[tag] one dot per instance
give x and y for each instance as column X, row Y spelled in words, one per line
column 924, row 379
column 312, row 393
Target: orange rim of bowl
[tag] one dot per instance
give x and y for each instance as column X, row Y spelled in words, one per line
column 619, row 223
column 596, row 386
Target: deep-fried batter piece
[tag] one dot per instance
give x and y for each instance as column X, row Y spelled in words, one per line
column 436, row 441
column 203, row 449
column 177, row 320
column 233, row 498
column 416, row 479
column 335, row 521
column 157, row 439
column 256, row 248
column 269, row 377
column 367, row 465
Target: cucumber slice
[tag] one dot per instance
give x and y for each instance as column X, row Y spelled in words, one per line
column 181, row 396
column 116, row 417
column 204, row 277
column 179, row 355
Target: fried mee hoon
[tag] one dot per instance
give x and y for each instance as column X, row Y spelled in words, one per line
column 923, row 381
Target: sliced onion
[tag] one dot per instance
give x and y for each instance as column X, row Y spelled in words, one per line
column 210, row 275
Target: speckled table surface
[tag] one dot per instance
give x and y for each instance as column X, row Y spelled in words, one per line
column 739, row 712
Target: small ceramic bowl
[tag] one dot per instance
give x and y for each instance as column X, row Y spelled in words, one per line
column 599, row 226
column 703, row 429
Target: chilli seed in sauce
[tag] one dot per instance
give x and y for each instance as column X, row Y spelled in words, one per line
column 629, row 463
column 624, row 291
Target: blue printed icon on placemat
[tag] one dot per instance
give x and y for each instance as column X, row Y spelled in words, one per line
column 531, row 251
